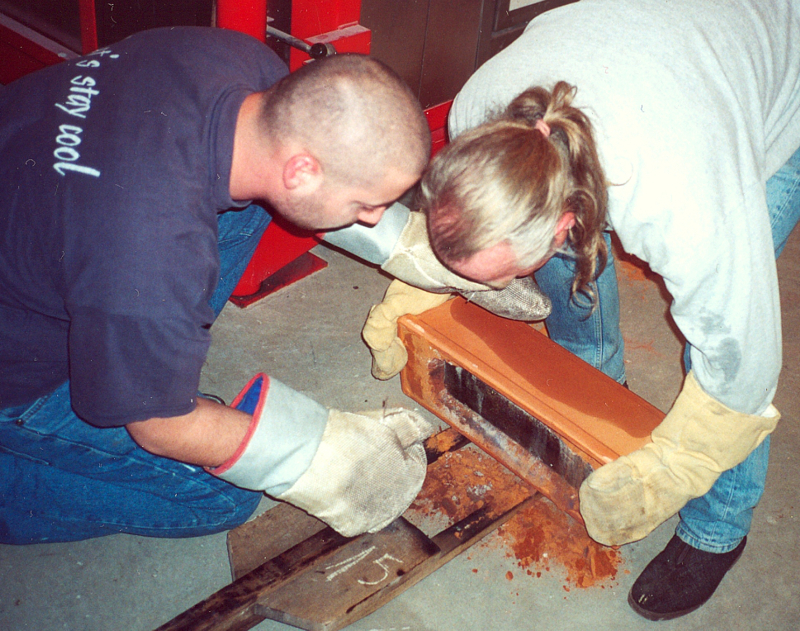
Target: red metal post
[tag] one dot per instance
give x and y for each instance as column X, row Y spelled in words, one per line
column 281, row 249
column 323, row 16
column 88, row 22
column 23, row 50
column 437, row 121
column 247, row 16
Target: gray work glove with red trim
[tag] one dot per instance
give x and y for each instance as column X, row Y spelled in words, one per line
column 355, row 472
column 399, row 244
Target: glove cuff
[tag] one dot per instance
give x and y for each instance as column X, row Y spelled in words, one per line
column 700, row 423
column 373, row 244
column 414, row 262
column 281, row 441
column 520, row 300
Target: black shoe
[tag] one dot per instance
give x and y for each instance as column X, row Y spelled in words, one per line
column 679, row 580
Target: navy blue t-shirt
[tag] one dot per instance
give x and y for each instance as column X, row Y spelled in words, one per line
column 113, row 168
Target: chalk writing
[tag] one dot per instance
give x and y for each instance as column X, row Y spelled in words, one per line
column 380, row 563
column 343, row 566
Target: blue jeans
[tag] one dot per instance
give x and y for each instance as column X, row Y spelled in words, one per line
column 719, row 520
column 62, row 479
column 592, row 335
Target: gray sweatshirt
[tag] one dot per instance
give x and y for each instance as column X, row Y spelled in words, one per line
column 696, row 103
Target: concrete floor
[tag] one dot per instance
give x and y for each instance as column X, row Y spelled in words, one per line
column 308, row 335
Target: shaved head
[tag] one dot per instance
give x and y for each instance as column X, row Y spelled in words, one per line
column 354, row 114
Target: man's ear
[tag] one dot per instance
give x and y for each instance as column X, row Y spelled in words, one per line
column 302, row 173
column 566, row 222
column 562, row 229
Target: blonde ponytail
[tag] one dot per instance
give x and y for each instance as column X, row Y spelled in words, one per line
column 512, row 179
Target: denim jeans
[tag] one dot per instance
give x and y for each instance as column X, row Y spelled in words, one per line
column 594, row 336
column 717, row 521
column 62, row 479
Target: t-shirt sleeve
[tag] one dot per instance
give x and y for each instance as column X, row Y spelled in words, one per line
column 137, row 291
column 126, row 368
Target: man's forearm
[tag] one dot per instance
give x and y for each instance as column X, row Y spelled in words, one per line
column 207, row 437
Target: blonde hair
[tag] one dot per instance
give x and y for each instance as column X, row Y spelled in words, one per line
column 506, row 181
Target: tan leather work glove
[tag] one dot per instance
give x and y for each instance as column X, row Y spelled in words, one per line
column 697, row 441
column 412, row 260
column 380, row 331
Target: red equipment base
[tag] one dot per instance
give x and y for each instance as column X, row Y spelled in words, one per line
column 304, row 265
column 276, row 262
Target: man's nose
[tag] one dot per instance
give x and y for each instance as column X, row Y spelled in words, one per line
column 371, row 216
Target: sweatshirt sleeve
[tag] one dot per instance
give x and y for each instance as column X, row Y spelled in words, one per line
column 725, row 117
column 705, row 229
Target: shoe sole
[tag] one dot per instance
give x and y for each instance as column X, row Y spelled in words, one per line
column 657, row 617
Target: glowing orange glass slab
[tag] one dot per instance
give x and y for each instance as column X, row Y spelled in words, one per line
column 594, row 416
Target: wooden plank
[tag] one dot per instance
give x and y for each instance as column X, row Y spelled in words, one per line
column 272, row 533
column 373, row 570
column 291, row 567
column 232, row 607
column 321, row 598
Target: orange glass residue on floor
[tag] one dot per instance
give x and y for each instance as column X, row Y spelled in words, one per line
column 538, row 537
column 541, row 536
column 461, row 482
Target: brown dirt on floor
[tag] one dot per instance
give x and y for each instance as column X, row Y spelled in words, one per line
column 538, row 538
column 634, row 270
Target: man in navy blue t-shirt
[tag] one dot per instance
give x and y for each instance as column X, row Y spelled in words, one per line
column 126, row 185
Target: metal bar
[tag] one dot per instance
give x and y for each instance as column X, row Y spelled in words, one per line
column 315, row 51
column 88, row 22
column 289, row 39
